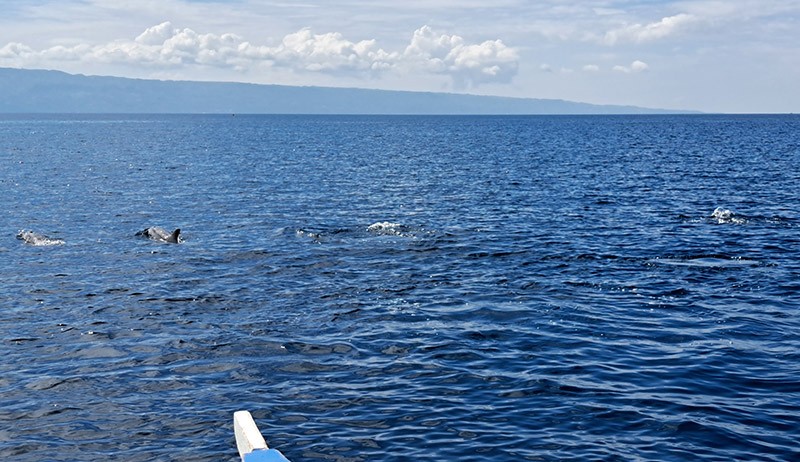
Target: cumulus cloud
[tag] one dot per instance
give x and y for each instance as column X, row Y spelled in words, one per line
column 636, row 66
column 16, row 50
column 467, row 64
column 638, row 33
column 156, row 35
column 329, row 52
column 166, row 47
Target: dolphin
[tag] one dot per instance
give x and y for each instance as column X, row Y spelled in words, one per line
column 159, row 234
column 34, row 238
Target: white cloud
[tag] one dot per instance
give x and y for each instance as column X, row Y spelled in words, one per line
column 165, row 47
column 591, row 68
column 15, row 50
column 156, row 35
column 329, row 52
column 635, row 67
column 469, row 65
column 638, row 33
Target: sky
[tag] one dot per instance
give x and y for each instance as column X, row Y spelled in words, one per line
column 733, row 56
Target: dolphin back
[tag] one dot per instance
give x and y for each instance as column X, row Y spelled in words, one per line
column 37, row 239
column 159, row 234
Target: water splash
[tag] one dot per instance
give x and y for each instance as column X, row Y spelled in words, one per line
column 388, row 228
column 36, row 239
column 726, row 216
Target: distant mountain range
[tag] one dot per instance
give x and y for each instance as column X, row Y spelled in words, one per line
column 44, row 91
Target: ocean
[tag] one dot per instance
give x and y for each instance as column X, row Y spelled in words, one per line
column 392, row 288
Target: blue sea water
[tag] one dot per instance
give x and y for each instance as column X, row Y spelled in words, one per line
column 401, row 288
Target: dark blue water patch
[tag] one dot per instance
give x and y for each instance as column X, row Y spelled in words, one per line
column 388, row 288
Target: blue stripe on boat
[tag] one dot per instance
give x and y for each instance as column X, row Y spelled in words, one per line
column 264, row 455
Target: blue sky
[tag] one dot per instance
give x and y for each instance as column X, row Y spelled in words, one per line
column 709, row 55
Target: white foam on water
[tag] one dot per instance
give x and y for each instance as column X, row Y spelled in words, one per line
column 36, row 239
column 726, row 216
column 387, row 228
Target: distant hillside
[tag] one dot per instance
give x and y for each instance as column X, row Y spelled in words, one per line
column 41, row 91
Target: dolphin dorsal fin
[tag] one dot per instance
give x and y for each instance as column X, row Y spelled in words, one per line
column 174, row 236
